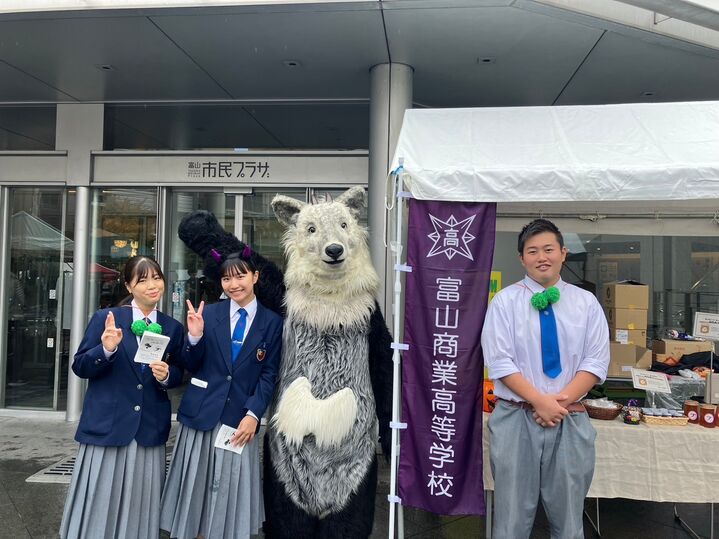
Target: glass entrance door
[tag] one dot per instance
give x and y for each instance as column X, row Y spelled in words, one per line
column 247, row 214
column 185, row 271
column 38, row 333
column 260, row 228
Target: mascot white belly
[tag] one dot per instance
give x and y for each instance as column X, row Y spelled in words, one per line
column 337, row 370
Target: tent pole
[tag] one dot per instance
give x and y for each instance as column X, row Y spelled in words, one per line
column 396, row 247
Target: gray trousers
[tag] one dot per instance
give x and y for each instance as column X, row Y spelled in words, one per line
column 529, row 462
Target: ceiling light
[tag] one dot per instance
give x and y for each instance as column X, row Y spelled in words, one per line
column 291, row 63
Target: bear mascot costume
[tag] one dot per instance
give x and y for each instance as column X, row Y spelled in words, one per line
column 334, row 390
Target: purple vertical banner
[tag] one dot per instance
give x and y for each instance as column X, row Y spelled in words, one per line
column 450, row 249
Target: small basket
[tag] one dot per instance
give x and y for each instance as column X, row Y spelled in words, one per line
column 595, row 412
column 662, row 420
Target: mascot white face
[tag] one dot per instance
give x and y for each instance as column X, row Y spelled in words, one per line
column 324, row 240
column 329, row 277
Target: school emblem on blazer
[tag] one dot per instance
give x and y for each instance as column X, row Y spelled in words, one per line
column 261, row 353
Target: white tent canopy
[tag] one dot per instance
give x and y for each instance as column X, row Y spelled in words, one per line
column 30, row 233
column 647, row 151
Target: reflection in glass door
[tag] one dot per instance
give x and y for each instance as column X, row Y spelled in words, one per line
column 185, row 271
column 260, row 227
column 124, row 224
column 38, row 337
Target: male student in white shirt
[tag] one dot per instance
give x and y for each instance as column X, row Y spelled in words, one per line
column 545, row 343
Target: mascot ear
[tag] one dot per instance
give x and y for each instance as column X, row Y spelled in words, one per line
column 355, row 199
column 286, row 209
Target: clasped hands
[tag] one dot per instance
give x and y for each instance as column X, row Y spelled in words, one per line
column 550, row 408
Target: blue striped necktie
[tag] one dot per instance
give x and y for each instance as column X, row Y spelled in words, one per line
column 550, row 342
column 238, row 335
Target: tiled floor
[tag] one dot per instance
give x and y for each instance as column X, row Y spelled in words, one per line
column 33, row 510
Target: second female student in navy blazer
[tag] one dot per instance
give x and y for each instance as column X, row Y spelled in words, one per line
column 233, row 353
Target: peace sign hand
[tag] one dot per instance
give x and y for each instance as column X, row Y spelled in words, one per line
column 112, row 335
column 195, row 322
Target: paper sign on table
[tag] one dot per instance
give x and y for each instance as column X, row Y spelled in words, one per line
column 151, row 348
column 651, row 381
column 706, row 325
column 223, row 440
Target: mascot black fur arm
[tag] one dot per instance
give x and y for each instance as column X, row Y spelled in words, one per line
column 334, row 392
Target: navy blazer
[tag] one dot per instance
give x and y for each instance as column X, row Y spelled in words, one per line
column 232, row 389
column 123, row 402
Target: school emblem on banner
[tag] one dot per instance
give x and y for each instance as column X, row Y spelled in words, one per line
column 450, row 249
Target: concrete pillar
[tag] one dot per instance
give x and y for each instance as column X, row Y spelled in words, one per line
column 5, row 240
column 390, row 96
column 79, row 131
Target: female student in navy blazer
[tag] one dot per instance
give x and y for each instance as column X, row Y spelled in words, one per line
column 233, row 358
column 120, row 468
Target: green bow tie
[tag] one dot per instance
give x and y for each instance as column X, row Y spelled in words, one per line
column 139, row 327
column 540, row 300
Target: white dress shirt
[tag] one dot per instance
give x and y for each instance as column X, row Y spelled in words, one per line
column 512, row 342
column 251, row 309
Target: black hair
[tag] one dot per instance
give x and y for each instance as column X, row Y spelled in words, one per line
column 538, row 226
column 235, row 265
column 139, row 267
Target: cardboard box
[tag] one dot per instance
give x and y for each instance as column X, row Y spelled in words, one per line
column 624, row 357
column 629, row 336
column 625, row 295
column 626, row 319
column 676, row 349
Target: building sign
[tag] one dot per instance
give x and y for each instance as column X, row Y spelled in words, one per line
column 156, row 168
column 228, row 169
column 450, row 248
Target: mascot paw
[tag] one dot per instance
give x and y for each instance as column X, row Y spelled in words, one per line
column 299, row 413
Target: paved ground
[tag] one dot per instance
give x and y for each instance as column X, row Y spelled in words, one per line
column 34, row 510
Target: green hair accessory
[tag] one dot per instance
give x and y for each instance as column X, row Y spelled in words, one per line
column 139, row 327
column 540, row 300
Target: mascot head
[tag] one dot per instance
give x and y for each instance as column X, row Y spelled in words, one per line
column 326, row 246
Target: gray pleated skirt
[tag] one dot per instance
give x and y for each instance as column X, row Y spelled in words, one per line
column 115, row 493
column 213, row 492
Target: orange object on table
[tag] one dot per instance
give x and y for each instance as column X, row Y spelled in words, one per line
column 691, row 410
column 707, row 415
column 488, row 398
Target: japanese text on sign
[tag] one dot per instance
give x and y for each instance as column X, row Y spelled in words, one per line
column 444, row 382
column 228, row 169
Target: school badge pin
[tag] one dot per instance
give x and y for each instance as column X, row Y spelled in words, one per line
column 261, row 354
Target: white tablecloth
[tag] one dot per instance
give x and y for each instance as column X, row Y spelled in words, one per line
column 640, row 462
